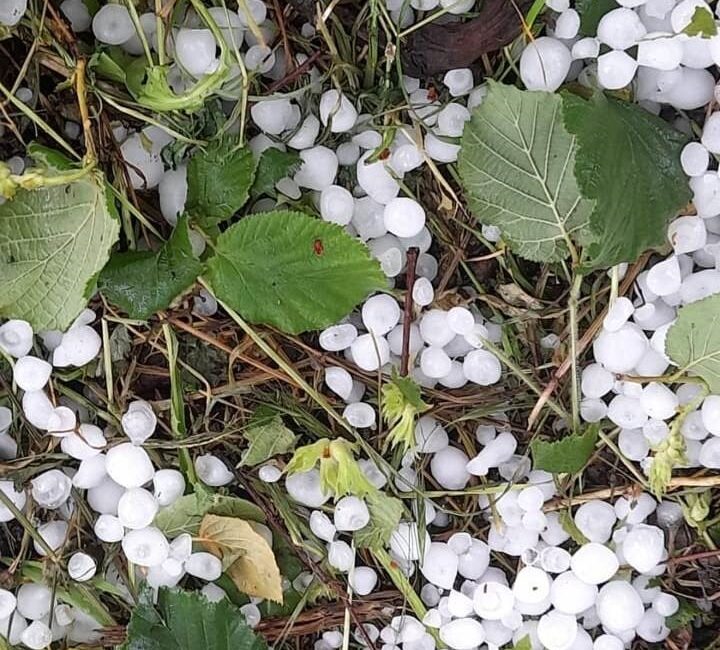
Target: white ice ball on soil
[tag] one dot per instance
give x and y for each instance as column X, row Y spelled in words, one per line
column 620, row 29
column 619, row 606
column 129, row 465
column 204, row 566
column 338, row 111
column 195, row 51
column 137, row 508
column 374, row 178
column 462, row 634
column 318, row 169
column 351, row 514
column 81, row 567
column 304, row 487
column 363, row 580
column 212, row 471
column 643, row 547
column 439, row 565
column 620, row 351
column 660, row 53
column 16, row 338
column 146, row 547
column 54, row 533
column 103, row 498
column 544, row 64
column 139, row 421
column 380, row 314
column 482, row 367
column 711, row 133
column 404, row 217
column 18, row 498
column 687, row 234
column 169, row 485
column 448, row 467
column 51, row 489
column 31, row 373
column 571, row 595
column 172, row 191
column 337, row 337
column 360, row 415
column 459, row 81
column 34, row 600
column 91, row 472
column 405, row 543
column 144, row 166
column 616, row 69
column 8, row 603
column 108, row 528
column 12, row 11
column 694, row 159
column 451, row 120
column 594, row 563
column 340, row 556
column 272, row 115
column 336, row 205
column 370, row 352
column 305, row 136
column 112, row 24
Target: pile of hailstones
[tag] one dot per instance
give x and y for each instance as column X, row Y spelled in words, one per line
column 669, row 68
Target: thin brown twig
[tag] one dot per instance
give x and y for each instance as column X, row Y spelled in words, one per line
column 298, row 71
column 412, row 255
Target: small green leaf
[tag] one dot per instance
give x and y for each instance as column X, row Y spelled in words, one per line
column 401, row 404
column 702, row 24
column 516, row 165
column 693, row 341
column 685, row 615
column 385, row 513
column 144, row 282
column 186, row 514
column 219, row 181
column 566, row 455
column 54, row 242
column 112, row 64
column 185, row 620
column 292, row 271
column 591, row 12
column 628, row 163
column 523, row 644
column 273, row 166
column 570, row 527
column 267, row 437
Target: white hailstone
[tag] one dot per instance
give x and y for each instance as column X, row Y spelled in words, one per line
column 434, row 362
column 363, row 580
column 544, row 64
column 129, row 465
column 633, row 444
column 91, row 472
column 347, row 153
column 195, row 51
column 351, row 514
column 620, row 29
column 139, row 421
column 380, row 314
column 79, row 345
column 462, row 634
column 306, row 134
column 706, row 194
column 687, row 234
column 146, row 547
column 204, row 566
column 318, row 169
column 448, row 467
column 665, row 604
column 103, row 498
column 172, row 191
column 304, row 487
column 616, row 69
column 405, row 157
column 627, row 412
column 341, row 556
column 608, row 642
column 168, row 486
column 252, row 11
column 53, row 533
column 635, row 510
column 482, row 367
column 204, row 304
column 700, row 285
column 557, row 631
column 37, row 635
column 112, row 24
column 451, row 120
column 594, row 563
column 337, row 337
column 360, row 415
column 620, row 351
column 137, row 508
column 368, row 218
column 12, row 628
column 375, row 179
column 434, row 328
column 567, row 24
column 619, row 607
column 404, row 217
column 12, row 11
column 554, row 560
column 459, row 605
column 81, row 567
column 339, row 381
column 34, row 600
column 389, row 252
column 8, row 603
column 259, row 58
column 272, row 115
column 683, row 13
column 440, row 565
column 88, row 442
column 440, row 150
column 643, row 547
column 710, row 414
column 338, row 111
column 664, row 277
column 694, row 159
column 336, row 205
column 457, row 7
column 493, row 601
column 370, row 352
column 405, row 542
column 659, row 401
column 531, row 586
column 710, row 453
column 108, row 528
column 618, row 314
column 495, row 452
column 251, row 613
column 322, row 526
column 660, row 53
column 31, row 373
column 459, row 81
column 570, row 595
column 16, row 338
column 652, row 627
column 585, row 48
column 595, row 381
column 51, row 489
column 144, row 166
column 212, row 471
column 430, row 435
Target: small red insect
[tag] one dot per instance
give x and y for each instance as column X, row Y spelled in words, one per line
column 318, row 247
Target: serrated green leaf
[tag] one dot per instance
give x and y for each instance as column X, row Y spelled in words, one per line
column 266, row 438
column 143, row 282
column 591, row 11
column 184, row 620
column 219, row 181
column 273, row 166
column 702, row 24
column 687, row 612
column 523, row 644
column 55, row 241
column 566, row 455
column 292, row 271
column 628, row 163
column 516, row 164
column 385, row 513
column 186, row 514
column 693, row 341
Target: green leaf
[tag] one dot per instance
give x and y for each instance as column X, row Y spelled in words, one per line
column 566, row 455
column 185, row 620
column 267, row 437
column 685, row 615
column 219, row 181
column 591, row 11
column 54, row 242
column 292, row 271
column 516, row 164
column 186, row 514
column 273, row 166
column 385, row 513
column 628, row 162
column 523, row 644
column 693, row 341
column 143, row 282
column 570, row 527
column 702, row 24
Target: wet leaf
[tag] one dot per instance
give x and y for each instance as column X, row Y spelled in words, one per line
column 566, row 455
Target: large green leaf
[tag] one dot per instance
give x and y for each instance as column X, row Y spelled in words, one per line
column 54, row 242
column 292, row 271
column 143, row 282
column 516, row 164
column 219, row 181
column 628, row 162
column 385, row 513
column 693, row 341
column 185, row 620
column 569, row 454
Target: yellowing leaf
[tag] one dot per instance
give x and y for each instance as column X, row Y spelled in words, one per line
column 246, row 556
